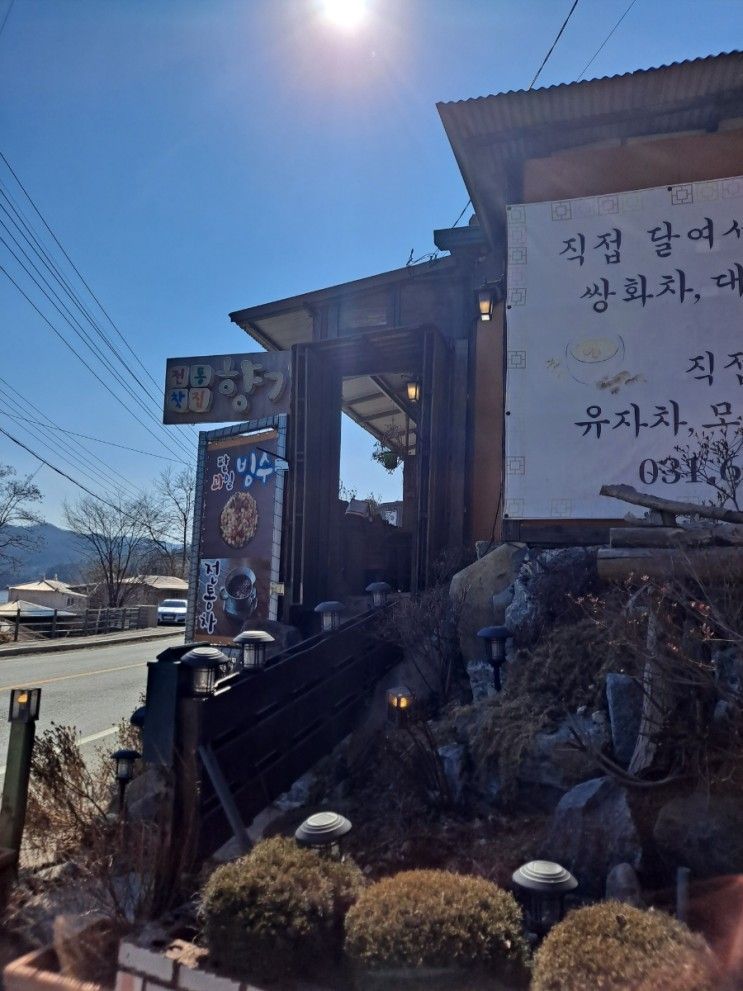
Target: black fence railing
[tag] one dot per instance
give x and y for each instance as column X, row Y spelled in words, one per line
column 237, row 750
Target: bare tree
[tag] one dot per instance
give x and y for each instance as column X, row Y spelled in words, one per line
column 17, row 498
column 116, row 535
column 170, row 521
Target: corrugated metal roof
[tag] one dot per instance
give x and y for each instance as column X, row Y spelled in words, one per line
column 157, row 581
column 490, row 134
column 45, row 585
column 643, row 89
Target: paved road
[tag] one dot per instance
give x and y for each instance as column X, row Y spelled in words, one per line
column 91, row 689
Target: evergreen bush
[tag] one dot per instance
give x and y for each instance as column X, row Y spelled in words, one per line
column 420, row 919
column 615, row 947
column 278, row 911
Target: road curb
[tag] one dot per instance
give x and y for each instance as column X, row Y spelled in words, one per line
column 58, row 646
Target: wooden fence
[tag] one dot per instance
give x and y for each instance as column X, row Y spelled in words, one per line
column 92, row 621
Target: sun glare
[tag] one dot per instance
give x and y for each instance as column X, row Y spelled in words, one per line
column 346, row 14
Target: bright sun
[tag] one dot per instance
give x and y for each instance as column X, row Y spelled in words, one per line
column 347, row 14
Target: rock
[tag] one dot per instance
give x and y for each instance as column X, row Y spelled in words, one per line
column 482, row 680
column 298, row 794
column 453, row 758
column 702, row 832
column 145, row 794
column 554, row 765
column 728, row 671
column 624, row 701
column 542, row 586
column 623, row 885
column 500, row 602
column 591, row 831
column 473, row 588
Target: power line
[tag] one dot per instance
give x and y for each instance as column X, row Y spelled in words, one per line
column 79, row 356
column 7, row 15
column 601, row 46
column 93, row 495
column 50, row 266
column 552, row 47
column 79, row 274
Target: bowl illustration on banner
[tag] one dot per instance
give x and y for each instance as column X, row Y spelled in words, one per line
column 239, row 595
column 591, row 359
column 238, row 520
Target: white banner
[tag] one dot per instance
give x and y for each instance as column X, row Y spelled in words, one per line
column 624, row 343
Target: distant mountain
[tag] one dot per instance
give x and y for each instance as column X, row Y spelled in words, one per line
column 55, row 552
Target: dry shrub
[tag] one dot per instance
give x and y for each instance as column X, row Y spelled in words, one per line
column 278, row 911
column 437, row 919
column 615, row 947
column 564, row 671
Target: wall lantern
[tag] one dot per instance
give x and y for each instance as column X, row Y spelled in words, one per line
column 330, row 615
column 204, row 664
column 253, row 644
column 544, row 885
column 413, row 390
column 378, row 593
column 485, row 303
column 495, row 640
column 24, row 705
column 323, row 831
column 400, row 704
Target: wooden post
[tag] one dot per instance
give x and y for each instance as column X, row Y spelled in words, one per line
column 17, row 624
column 54, row 624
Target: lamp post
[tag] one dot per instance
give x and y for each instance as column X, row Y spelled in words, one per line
column 253, row 644
column 204, row 664
column 322, row 832
column 378, row 593
column 544, row 885
column 22, row 716
column 330, row 615
column 495, row 638
column 124, row 766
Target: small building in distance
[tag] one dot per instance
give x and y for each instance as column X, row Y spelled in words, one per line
column 50, row 593
column 150, row 590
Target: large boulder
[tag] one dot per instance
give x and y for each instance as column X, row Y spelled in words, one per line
column 543, row 588
column 473, row 588
column 624, row 701
column 592, row 830
column 702, row 832
column 555, row 764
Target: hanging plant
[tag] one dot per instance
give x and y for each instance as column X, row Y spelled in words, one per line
column 386, row 457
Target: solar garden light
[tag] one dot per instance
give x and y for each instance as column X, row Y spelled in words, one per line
column 22, row 715
column 124, row 766
column 495, row 640
column 323, row 832
column 544, row 885
column 400, row 705
column 253, row 644
column 24, row 705
column 330, row 615
column 378, row 593
column 204, row 663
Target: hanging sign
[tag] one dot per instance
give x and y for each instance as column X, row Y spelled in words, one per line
column 226, row 388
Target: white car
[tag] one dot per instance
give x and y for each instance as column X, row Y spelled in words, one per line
column 171, row 611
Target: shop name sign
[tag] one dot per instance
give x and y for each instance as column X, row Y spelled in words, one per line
column 624, row 345
column 227, row 388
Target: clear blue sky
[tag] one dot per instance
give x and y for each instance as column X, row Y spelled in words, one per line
column 199, row 156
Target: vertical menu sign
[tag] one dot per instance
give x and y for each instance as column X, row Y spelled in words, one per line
column 240, row 532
